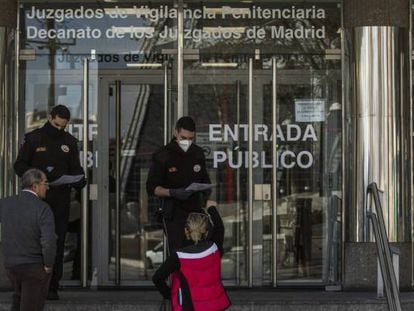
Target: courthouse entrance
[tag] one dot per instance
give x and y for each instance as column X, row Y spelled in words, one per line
column 268, row 115
column 294, row 243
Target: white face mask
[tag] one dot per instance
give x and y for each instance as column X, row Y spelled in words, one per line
column 184, row 144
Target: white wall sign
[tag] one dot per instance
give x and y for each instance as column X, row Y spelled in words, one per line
column 309, row 110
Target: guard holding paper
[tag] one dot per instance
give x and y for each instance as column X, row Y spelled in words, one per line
column 175, row 167
column 55, row 152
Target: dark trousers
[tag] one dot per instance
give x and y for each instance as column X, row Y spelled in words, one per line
column 174, row 229
column 75, row 227
column 59, row 200
column 31, row 284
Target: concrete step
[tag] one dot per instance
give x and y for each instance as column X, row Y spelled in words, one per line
column 242, row 300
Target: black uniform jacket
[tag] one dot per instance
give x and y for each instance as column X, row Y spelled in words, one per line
column 173, row 168
column 54, row 152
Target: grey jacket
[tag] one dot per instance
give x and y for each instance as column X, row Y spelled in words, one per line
column 27, row 230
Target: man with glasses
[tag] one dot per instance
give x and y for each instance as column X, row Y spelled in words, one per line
column 55, row 152
column 28, row 241
column 174, row 167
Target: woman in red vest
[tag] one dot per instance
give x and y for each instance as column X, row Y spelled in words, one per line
column 196, row 268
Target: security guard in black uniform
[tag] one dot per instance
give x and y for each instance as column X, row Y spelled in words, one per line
column 174, row 167
column 55, row 152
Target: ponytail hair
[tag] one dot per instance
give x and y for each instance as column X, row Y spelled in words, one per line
column 196, row 227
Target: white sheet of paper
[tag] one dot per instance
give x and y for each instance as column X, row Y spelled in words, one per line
column 195, row 186
column 66, row 179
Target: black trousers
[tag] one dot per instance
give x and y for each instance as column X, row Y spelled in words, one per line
column 75, row 227
column 174, row 229
column 59, row 200
column 30, row 283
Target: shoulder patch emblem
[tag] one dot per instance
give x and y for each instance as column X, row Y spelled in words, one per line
column 65, row 148
column 197, row 168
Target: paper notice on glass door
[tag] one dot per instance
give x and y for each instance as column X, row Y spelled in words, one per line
column 311, row 110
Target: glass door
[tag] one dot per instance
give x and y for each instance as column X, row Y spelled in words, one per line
column 135, row 125
column 308, row 180
column 271, row 132
column 216, row 96
column 267, row 102
column 228, row 106
column 263, row 84
column 67, row 89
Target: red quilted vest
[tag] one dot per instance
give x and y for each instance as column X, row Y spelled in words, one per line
column 203, row 274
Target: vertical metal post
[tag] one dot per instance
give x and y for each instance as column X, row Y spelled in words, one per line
column 238, row 205
column 166, row 103
column 250, row 174
column 166, row 124
column 410, row 65
column 9, row 115
column 3, row 101
column 180, row 60
column 375, row 113
column 344, row 97
column 274, row 172
column 85, row 191
column 118, row 182
column 16, row 119
column 3, row 110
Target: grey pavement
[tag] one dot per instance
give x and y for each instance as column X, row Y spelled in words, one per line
column 242, row 299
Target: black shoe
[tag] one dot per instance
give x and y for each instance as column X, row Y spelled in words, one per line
column 52, row 295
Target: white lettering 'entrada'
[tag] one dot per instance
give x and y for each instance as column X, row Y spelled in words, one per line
column 261, row 132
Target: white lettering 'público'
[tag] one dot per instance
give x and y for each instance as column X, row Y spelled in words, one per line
column 285, row 159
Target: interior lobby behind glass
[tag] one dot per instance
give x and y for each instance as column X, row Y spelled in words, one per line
column 249, row 71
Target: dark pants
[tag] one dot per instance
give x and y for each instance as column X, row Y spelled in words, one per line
column 174, row 228
column 75, row 227
column 31, row 284
column 59, row 200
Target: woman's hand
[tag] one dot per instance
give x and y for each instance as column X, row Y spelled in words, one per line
column 210, row 203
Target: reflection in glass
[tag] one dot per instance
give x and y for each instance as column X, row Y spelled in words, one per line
column 223, row 105
column 40, row 96
column 308, row 159
column 308, row 211
column 141, row 134
column 216, row 95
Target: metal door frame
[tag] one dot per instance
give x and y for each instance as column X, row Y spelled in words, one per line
column 255, row 80
column 101, row 227
column 261, row 78
column 252, row 79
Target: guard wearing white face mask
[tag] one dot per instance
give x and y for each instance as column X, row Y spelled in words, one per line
column 174, row 167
